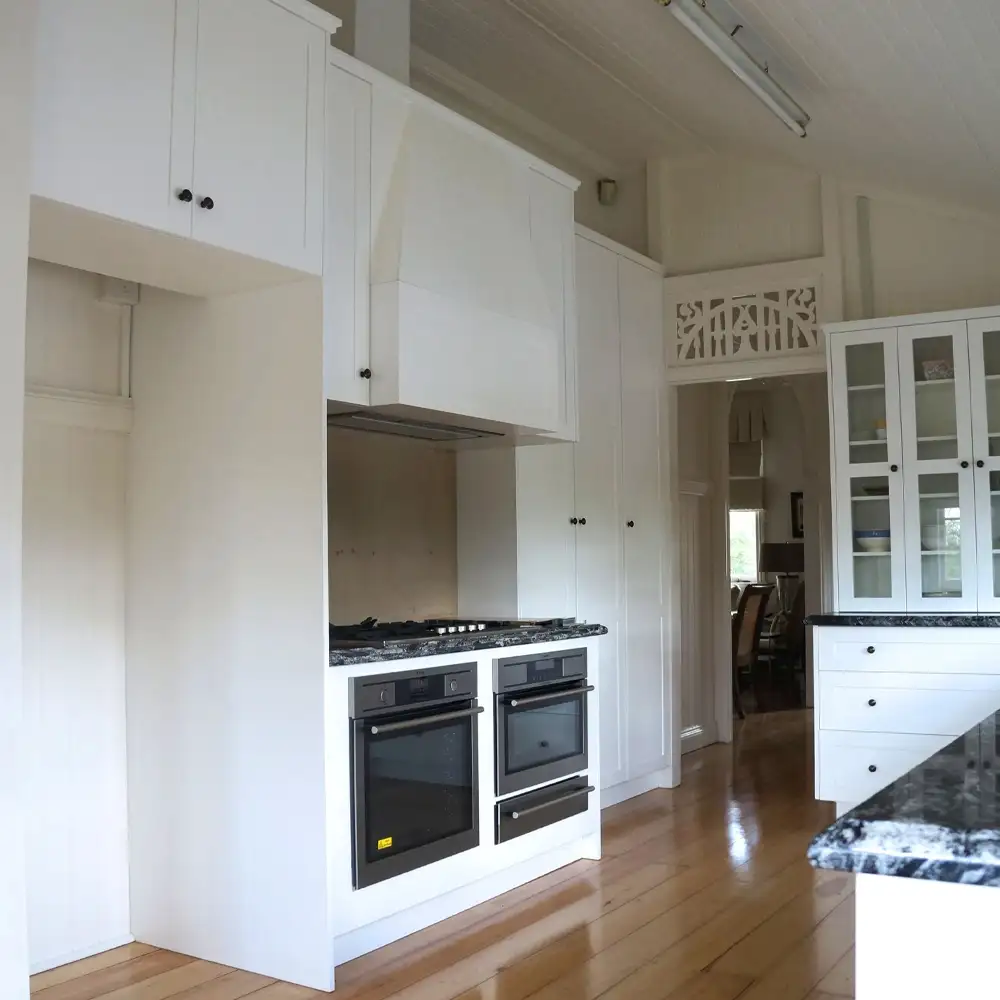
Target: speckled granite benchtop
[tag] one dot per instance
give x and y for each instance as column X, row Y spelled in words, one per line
column 939, row 822
column 905, row 621
column 461, row 643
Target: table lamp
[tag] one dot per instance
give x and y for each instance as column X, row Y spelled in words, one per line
column 786, row 561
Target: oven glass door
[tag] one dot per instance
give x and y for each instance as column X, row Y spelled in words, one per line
column 543, row 736
column 416, row 799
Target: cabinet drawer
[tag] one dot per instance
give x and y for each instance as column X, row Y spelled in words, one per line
column 927, row 704
column 907, row 650
column 846, row 761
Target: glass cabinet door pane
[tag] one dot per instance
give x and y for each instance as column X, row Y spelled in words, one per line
column 940, row 535
column 994, row 539
column 865, row 366
column 871, row 526
column 991, row 359
column 933, row 360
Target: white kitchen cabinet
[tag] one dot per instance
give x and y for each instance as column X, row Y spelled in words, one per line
column 578, row 529
column 347, row 261
column 888, row 698
column 916, row 446
column 642, row 511
column 202, row 118
column 104, row 74
column 598, row 500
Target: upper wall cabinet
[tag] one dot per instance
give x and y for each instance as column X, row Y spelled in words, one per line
column 916, row 425
column 471, row 272
column 347, row 262
column 203, row 118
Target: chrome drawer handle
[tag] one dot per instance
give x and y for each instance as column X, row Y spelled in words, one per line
column 520, row 814
column 537, row 699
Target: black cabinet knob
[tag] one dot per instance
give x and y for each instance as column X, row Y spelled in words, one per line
column 965, row 465
column 583, row 520
column 574, row 520
column 872, row 768
column 630, row 524
column 871, row 703
column 871, row 649
column 980, row 464
column 894, row 468
column 365, row 373
column 185, row 195
column 207, row 203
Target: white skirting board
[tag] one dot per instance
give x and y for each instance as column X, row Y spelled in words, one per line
column 365, row 939
column 95, row 949
column 637, row 786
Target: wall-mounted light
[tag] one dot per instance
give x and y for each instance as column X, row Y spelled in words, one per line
column 607, row 191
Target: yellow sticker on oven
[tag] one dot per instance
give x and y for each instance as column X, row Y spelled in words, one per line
column 385, row 843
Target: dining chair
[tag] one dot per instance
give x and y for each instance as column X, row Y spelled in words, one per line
column 747, row 623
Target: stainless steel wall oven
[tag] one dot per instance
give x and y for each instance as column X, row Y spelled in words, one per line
column 541, row 719
column 415, row 795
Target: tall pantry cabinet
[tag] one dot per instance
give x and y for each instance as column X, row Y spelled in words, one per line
column 578, row 529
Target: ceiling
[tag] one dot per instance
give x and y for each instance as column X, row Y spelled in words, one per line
column 902, row 92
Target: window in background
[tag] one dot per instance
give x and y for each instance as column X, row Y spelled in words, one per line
column 744, row 545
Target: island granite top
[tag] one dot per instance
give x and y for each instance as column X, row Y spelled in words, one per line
column 468, row 642
column 939, row 822
column 905, row 621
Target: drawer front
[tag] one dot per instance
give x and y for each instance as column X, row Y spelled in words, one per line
column 925, row 704
column 852, row 768
column 910, row 650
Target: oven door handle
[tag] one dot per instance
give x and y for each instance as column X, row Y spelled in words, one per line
column 537, row 699
column 521, row 813
column 424, row 720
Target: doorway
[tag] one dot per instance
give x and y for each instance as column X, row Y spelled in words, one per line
column 751, row 506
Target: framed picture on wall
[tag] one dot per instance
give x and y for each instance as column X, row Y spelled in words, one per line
column 798, row 516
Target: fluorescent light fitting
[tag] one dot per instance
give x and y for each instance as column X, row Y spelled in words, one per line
column 693, row 15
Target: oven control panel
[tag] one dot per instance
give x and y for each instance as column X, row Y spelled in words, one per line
column 371, row 695
column 520, row 672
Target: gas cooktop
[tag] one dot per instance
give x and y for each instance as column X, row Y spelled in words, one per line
column 372, row 633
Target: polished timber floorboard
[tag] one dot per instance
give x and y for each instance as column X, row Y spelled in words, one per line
column 704, row 893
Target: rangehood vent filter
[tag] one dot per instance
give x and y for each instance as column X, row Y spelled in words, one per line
column 380, row 423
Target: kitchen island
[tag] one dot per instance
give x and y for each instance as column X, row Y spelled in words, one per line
column 419, row 729
column 926, row 850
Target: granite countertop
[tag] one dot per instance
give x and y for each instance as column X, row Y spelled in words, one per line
column 467, row 642
column 939, row 822
column 905, row 621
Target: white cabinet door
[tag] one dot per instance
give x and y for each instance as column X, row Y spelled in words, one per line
column 103, row 108
column 347, row 258
column 868, row 484
column 259, row 132
column 938, row 478
column 546, row 540
column 642, row 514
column 597, row 460
column 984, row 364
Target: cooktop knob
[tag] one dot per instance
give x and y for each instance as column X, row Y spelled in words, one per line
column 462, row 628
column 441, row 631
column 453, row 685
column 451, row 629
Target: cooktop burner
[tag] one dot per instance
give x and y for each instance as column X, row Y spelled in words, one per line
column 373, row 633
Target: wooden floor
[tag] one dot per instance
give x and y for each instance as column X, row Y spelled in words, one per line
column 703, row 894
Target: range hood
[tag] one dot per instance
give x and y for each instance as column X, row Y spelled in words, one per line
column 375, row 422
column 467, row 290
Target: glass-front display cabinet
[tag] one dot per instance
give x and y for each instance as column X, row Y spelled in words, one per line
column 916, row 465
column 868, row 457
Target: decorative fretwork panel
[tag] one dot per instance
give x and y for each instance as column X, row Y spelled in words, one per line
column 746, row 327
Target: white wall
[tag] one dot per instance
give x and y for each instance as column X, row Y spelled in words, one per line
column 16, row 48
column 392, row 528
column 74, row 627
column 716, row 212
column 227, row 632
